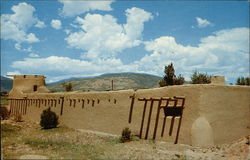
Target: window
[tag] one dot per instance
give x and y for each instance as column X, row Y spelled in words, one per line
column 35, row 88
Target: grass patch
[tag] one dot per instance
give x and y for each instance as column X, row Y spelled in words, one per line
column 66, row 149
column 112, row 140
column 8, row 130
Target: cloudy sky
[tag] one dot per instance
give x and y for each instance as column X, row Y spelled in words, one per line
column 63, row 39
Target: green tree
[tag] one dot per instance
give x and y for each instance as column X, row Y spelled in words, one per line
column 170, row 78
column 243, row 81
column 200, row 78
column 68, row 86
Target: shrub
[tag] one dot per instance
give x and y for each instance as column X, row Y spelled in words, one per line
column 243, row 81
column 126, row 135
column 4, row 113
column 49, row 119
column 200, row 78
column 179, row 80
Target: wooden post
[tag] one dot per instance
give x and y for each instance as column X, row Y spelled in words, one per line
column 51, row 102
column 149, row 117
column 55, row 102
column 39, row 103
column 82, row 103
column 178, row 130
column 20, row 105
column 172, row 120
column 112, row 85
column 70, row 102
column 23, row 105
column 131, row 108
column 62, row 105
column 143, row 115
column 74, row 102
column 179, row 126
column 10, row 101
column 163, row 126
column 16, row 106
column 157, row 118
column 26, row 105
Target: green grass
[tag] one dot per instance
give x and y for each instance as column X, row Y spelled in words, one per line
column 65, row 149
column 8, row 130
column 56, row 143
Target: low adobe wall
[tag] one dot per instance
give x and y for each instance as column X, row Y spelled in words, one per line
column 213, row 114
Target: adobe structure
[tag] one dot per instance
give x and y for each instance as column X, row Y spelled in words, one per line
column 210, row 114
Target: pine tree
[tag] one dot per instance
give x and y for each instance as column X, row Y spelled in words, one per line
column 170, row 78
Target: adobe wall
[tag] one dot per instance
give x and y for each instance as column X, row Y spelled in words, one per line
column 213, row 114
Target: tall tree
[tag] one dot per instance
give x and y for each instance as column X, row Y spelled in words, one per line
column 170, row 78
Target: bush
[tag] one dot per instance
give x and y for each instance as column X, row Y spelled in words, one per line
column 4, row 113
column 243, row 81
column 200, row 78
column 179, row 80
column 49, row 119
column 126, row 135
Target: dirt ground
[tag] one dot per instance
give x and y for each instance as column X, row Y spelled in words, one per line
column 26, row 140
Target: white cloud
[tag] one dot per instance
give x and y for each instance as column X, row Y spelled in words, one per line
column 13, row 73
column 67, row 31
column 15, row 26
column 102, row 37
column 19, row 47
column 55, row 23
column 33, row 55
column 225, row 53
column 74, row 8
column 40, row 24
column 201, row 23
column 67, row 65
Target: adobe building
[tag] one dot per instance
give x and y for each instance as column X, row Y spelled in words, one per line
column 213, row 113
column 28, row 84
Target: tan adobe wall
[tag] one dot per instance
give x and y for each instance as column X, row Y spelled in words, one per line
column 25, row 84
column 218, row 80
column 213, row 114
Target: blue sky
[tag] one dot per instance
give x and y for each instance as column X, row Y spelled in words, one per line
column 63, row 39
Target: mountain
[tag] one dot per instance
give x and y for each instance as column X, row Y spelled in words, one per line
column 6, row 84
column 103, row 82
